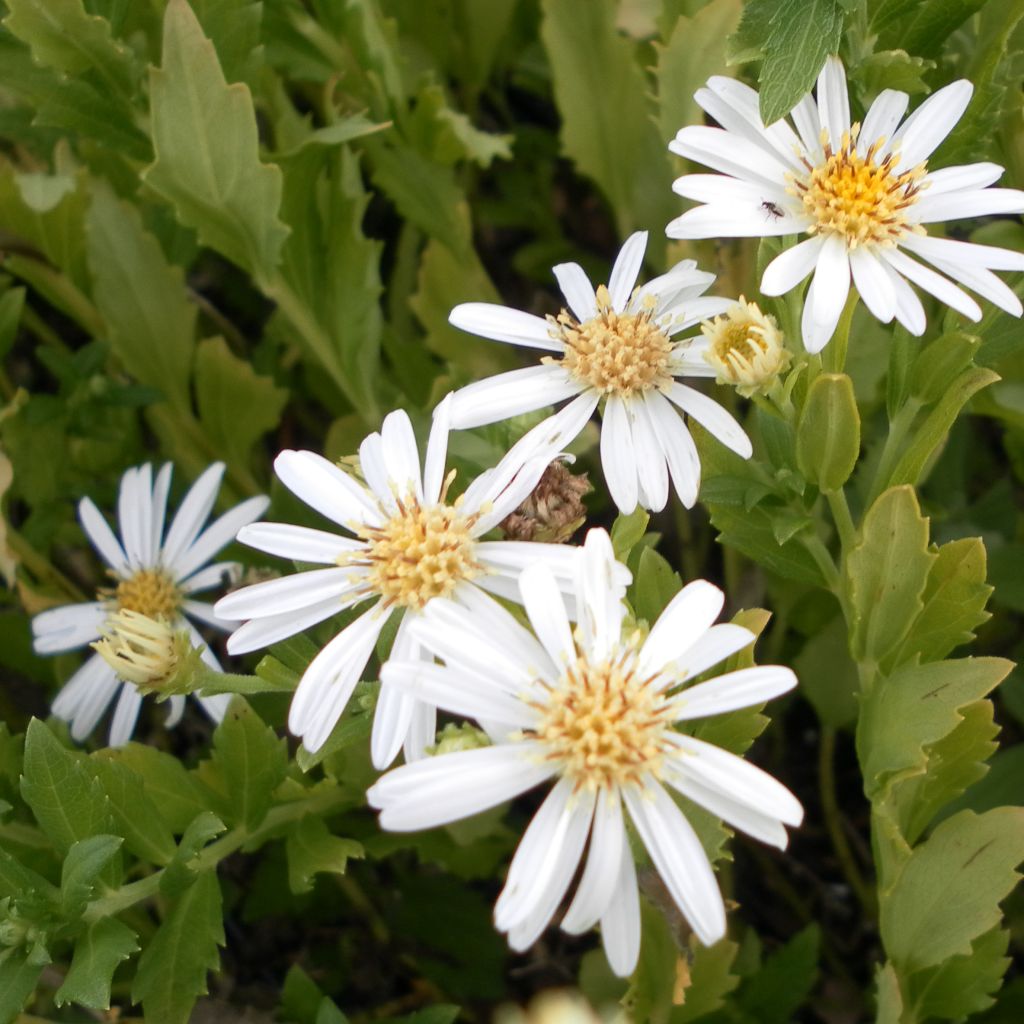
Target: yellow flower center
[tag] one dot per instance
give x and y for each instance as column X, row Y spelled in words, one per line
column 418, row 554
column 745, row 348
column 605, row 723
column 138, row 648
column 858, row 197
column 616, row 353
column 150, row 592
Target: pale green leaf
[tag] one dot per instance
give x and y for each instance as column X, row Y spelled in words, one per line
column 252, row 759
column 98, row 950
column 888, row 996
column 69, row 804
column 207, row 150
column 149, row 318
column 654, row 585
column 172, row 969
column 949, row 891
column 312, row 849
column 886, row 573
column 828, row 675
column 81, row 869
column 185, row 866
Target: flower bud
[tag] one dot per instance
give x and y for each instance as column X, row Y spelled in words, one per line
column 454, row 737
column 745, row 347
column 147, row 652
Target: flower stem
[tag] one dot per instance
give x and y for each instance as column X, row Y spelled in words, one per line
column 843, row 520
column 833, row 358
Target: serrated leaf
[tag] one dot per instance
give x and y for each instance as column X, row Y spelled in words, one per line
column 98, row 951
column 915, row 707
column 312, row 850
column 136, row 814
column 802, row 33
column 954, row 600
column 184, row 867
column 68, row 803
column 149, row 318
column 253, row 760
column 81, row 869
column 752, row 533
column 774, row 993
column 207, row 150
column 949, row 891
column 18, row 980
column 886, row 573
column 172, row 969
column 236, row 405
column 711, row 979
column 654, row 585
column 928, row 29
column 607, row 126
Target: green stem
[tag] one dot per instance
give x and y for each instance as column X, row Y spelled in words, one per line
column 320, row 802
column 817, row 550
column 843, row 520
column 893, row 448
column 834, row 822
column 833, row 358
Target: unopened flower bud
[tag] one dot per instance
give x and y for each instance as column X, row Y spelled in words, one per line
column 454, row 737
column 553, row 511
column 552, row 1007
column 746, row 347
column 147, row 652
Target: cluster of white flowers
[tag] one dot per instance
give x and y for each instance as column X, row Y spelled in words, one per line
column 599, row 709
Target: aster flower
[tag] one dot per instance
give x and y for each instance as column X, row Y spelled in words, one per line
column 410, row 546
column 596, row 711
column 156, row 575
column 862, row 192
column 745, row 348
column 619, row 344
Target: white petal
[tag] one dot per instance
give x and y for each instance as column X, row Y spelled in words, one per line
column 511, row 394
column 546, row 610
column 710, row 415
column 729, row 154
column 909, row 310
column 330, row 678
column 393, row 713
column 599, row 596
column 881, row 120
column 577, row 289
column 686, row 618
column 626, row 270
column 220, row 574
column 161, row 488
column 620, row 923
column 651, row 470
column 446, row 788
column 805, row 117
column 85, row 696
column 175, row 709
column 965, row 176
column 982, row 202
column 326, row 488
column 437, row 450
column 873, row 283
column 740, row 689
column 608, row 845
column 204, row 613
column 126, row 714
column 192, row 513
column 714, row 646
column 270, row 629
column 514, row 494
column 930, row 124
column 736, row 778
column 720, row 189
column 955, row 251
column 217, row 535
column 827, row 295
column 617, row 459
column 134, row 513
column 375, row 472
column 985, row 283
column 299, row 543
column 102, row 537
column 422, row 732
column 734, row 221
column 679, row 858
column 68, row 627
column 678, row 447
column 401, row 454
column 215, row 706
column 511, row 557
column 833, row 100
column 287, row 594
column 791, row 266
column 933, row 283
column 502, row 324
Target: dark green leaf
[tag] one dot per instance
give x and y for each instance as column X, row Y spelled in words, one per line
column 312, row 849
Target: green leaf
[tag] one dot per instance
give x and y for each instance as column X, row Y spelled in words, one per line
column 137, row 815
column 886, row 573
column 802, row 33
column 949, row 891
column 253, row 761
column 655, row 585
column 67, row 801
column 312, row 849
column 98, row 951
column 962, row 985
column 18, row 980
column 236, row 405
column 711, row 980
column 914, row 708
column 954, row 599
column 775, row 992
column 64, row 37
column 828, row 436
column 931, row 25
column 628, row 531
column 889, row 997
column 207, row 150
column 613, row 141
column 82, row 866
column 184, row 867
column 169, row 786
column 348, row 129
column 828, row 675
column 172, row 969
column 752, row 533
column 940, row 362
column 149, row 318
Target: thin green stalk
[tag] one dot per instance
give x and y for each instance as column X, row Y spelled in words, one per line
column 892, row 450
column 823, row 559
column 833, row 358
column 842, row 518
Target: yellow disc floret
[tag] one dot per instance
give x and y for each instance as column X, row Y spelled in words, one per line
column 605, row 723
column 615, row 353
column 140, row 649
column 149, row 592
column 861, row 198
column 418, row 554
column 745, row 347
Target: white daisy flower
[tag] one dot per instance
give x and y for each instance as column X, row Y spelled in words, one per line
column 410, row 546
column 595, row 710
column 620, row 344
column 156, row 575
column 863, row 192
